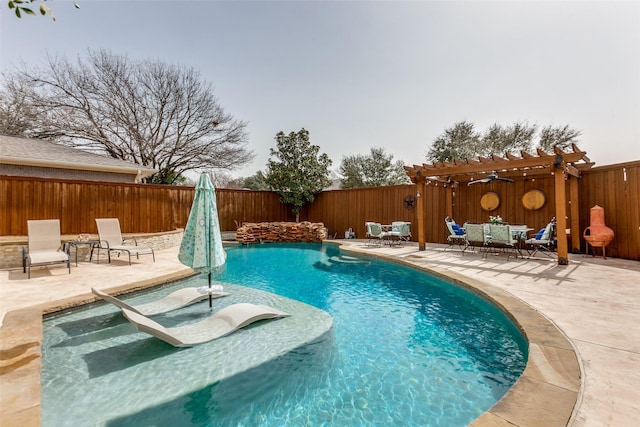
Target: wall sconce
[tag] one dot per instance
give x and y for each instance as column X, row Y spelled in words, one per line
column 418, row 194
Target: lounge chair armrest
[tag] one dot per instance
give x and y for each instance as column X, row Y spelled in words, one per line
column 135, row 242
column 104, row 244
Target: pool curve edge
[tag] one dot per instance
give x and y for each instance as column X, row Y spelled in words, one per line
column 548, row 390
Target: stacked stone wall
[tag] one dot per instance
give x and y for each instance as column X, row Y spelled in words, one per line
column 267, row 232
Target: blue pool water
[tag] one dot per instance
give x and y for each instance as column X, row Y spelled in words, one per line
column 406, row 349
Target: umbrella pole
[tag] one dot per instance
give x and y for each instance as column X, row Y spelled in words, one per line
column 210, row 298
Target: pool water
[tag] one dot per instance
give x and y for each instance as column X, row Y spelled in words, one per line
column 406, row 348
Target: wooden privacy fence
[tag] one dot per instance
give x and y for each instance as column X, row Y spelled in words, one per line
column 616, row 188
column 141, row 208
column 153, row 208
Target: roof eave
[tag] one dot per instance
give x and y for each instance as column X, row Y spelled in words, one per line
column 141, row 172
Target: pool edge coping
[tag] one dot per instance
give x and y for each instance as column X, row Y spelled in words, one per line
column 21, row 373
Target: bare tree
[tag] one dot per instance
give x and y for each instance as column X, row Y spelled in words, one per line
column 146, row 112
column 222, row 180
column 16, row 114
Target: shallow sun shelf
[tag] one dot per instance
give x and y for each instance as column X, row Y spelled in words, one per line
column 222, row 323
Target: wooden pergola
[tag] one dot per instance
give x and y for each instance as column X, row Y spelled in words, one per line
column 562, row 165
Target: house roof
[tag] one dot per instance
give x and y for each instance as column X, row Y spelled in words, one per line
column 35, row 152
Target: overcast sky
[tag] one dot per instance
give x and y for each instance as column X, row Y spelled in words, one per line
column 362, row 74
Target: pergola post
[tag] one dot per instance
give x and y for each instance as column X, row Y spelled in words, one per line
column 574, row 212
column 421, row 189
column 561, row 212
column 449, row 200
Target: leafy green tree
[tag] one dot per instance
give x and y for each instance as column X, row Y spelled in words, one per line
column 257, row 181
column 296, row 170
column 499, row 139
column 21, row 7
column 351, row 171
column 373, row 170
column 145, row 112
column 457, row 142
column 562, row 136
column 462, row 141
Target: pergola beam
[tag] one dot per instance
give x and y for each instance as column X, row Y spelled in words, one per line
column 497, row 163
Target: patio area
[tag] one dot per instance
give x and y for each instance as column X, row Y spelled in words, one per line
column 594, row 302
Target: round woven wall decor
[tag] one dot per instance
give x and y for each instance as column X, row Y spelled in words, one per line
column 490, row 201
column 534, row 199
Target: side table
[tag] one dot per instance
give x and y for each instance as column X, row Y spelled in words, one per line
column 76, row 243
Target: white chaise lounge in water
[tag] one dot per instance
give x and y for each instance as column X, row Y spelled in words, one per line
column 222, row 323
column 178, row 299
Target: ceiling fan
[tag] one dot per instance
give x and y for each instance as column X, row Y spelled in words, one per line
column 447, row 181
column 490, row 178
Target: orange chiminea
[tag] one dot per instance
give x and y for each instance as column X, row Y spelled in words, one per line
column 598, row 235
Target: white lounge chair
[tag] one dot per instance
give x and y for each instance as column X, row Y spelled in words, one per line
column 111, row 239
column 45, row 246
column 178, row 299
column 222, row 323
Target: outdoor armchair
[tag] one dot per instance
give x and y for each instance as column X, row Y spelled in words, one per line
column 44, row 244
column 476, row 235
column 543, row 241
column 457, row 235
column 111, row 240
column 403, row 228
column 374, row 233
column 502, row 238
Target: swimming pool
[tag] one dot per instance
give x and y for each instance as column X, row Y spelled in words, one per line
column 406, row 349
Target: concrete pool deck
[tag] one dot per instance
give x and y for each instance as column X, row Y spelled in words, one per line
column 595, row 303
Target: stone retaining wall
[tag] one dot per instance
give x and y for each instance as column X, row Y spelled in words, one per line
column 266, row 232
column 11, row 247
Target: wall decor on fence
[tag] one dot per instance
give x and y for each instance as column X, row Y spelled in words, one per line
column 490, row 201
column 534, row 199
